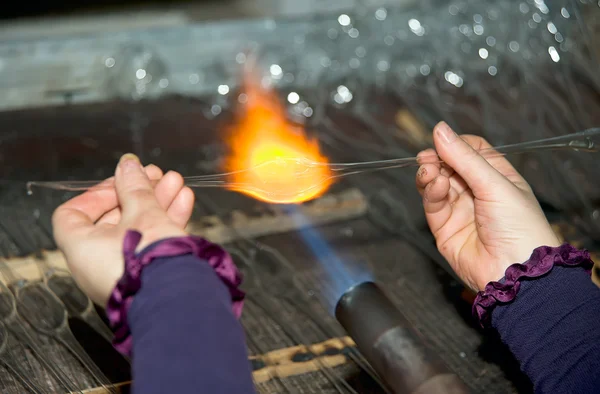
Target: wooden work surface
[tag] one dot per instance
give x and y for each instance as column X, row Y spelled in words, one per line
column 280, row 359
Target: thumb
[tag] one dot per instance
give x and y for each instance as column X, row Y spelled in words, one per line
column 473, row 168
column 134, row 189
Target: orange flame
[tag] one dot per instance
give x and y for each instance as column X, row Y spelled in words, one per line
column 260, row 138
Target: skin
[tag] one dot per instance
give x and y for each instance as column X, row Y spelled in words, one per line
column 481, row 211
column 89, row 229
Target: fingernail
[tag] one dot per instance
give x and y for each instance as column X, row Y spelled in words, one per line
column 129, row 162
column 422, row 172
column 445, row 132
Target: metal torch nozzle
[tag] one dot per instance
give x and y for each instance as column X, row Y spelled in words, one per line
column 391, row 345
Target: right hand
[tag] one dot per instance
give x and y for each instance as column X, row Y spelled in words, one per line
column 90, row 228
column 482, row 213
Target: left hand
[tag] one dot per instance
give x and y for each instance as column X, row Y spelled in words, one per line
column 90, row 228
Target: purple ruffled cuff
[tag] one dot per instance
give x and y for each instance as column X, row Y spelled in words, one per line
column 123, row 293
column 540, row 263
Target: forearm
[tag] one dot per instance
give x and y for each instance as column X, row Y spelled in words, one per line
column 553, row 329
column 185, row 335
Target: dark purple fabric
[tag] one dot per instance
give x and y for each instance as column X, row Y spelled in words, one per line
column 553, row 329
column 541, row 262
column 125, row 290
column 186, row 337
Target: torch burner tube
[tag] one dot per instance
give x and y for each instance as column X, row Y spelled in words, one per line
column 394, row 349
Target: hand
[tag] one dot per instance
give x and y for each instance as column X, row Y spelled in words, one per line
column 482, row 213
column 90, row 228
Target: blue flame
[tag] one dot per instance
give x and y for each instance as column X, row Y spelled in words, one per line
column 339, row 275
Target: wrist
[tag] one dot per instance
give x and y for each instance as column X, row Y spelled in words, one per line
column 541, row 262
column 157, row 234
column 515, row 253
column 493, row 275
column 130, row 283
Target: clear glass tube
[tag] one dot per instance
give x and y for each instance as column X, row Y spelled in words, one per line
column 586, row 141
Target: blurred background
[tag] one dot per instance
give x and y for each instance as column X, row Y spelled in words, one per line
column 81, row 85
column 199, row 9
column 70, row 14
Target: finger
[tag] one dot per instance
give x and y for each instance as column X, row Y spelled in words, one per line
column 81, row 212
column 436, row 202
column 98, row 201
column 428, row 156
column 114, row 217
column 497, row 161
column 78, row 215
column 153, row 172
column 181, row 209
column 426, row 174
column 168, row 189
column 446, row 170
column 93, row 203
column 457, row 184
column 134, row 188
column 436, row 194
column 477, row 172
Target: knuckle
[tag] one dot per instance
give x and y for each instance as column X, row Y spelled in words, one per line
column 140, row 193
column 153, row 171
column 178, row 176
column 428, row 156
column 175, row 176
column 476, row 141
column 426, row 152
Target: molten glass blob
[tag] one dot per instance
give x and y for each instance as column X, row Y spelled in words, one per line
column 276, row 151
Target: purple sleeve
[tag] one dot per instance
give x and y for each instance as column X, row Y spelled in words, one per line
column 553, row 329
column 185, row 336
